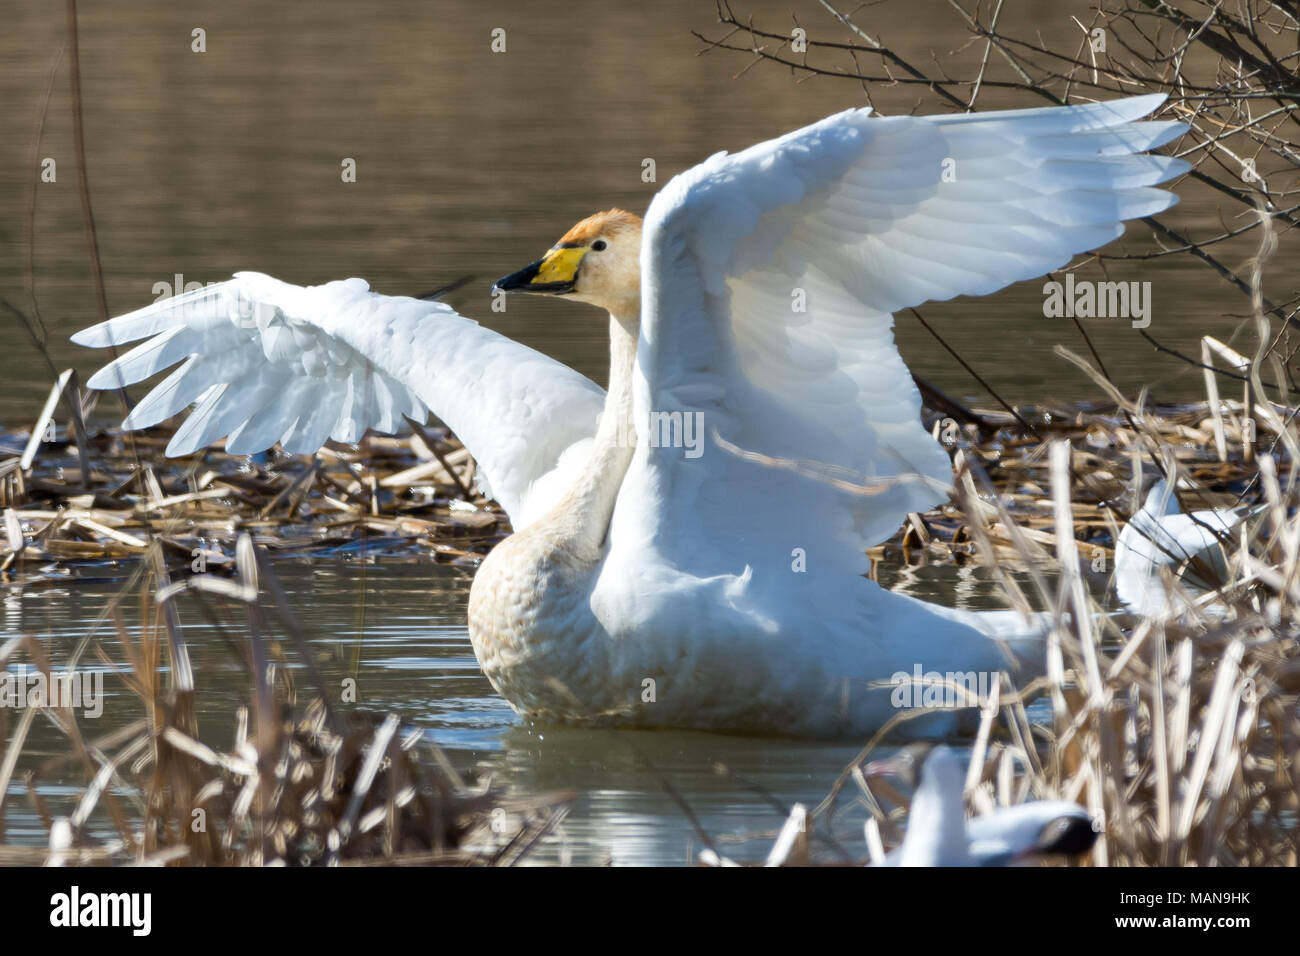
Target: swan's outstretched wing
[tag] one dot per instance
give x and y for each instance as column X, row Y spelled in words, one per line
column 267, row 361
column 770, row 278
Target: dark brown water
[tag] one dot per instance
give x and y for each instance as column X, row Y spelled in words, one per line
column 469, row 162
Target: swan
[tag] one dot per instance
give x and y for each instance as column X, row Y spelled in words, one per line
column 1161, row 536
column 938, row 833
column 708, row 575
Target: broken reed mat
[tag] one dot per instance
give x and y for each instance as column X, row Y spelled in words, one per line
column 1180, row 737
column 412, row 495
column 415, row 494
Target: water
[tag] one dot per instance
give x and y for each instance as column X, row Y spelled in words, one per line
column 398, row 629
column 470, row 163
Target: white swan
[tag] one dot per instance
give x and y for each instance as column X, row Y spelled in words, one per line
column 938, row 833
column 1161, row 536
column 661, row 582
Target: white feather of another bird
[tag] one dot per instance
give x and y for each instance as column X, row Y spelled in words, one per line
column 1160, row 536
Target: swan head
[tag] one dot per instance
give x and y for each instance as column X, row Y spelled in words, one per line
column 598, row 261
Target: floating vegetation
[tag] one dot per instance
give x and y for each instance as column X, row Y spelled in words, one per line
column 388, row 496
column 410, row 495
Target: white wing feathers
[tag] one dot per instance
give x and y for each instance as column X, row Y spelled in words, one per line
column 267, row 361
column 770, row 279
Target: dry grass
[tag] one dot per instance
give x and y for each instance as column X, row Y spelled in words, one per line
column 302, row 783
column 409, row 495
column 1181, row 736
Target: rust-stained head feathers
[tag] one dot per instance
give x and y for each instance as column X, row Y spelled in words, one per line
column 605, row 224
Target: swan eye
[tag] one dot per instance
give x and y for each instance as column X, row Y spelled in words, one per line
column 598, row 245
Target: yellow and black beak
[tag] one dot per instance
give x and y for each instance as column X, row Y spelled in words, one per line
column 555, row 273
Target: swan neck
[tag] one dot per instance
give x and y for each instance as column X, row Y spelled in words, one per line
column 591, row 500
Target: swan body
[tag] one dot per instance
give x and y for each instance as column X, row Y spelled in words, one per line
column 938, row 833
column 716, row 583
